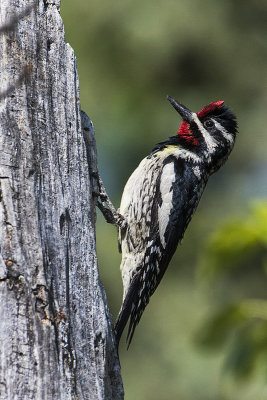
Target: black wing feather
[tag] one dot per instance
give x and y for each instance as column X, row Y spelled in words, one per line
column 186, row 194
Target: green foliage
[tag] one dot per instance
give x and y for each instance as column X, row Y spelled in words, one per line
column 244, row 328
column 234, row 246
column 238, row 243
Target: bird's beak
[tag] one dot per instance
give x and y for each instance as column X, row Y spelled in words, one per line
column 185, row 113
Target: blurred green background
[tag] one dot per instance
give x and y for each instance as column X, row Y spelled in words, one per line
column 204, row 334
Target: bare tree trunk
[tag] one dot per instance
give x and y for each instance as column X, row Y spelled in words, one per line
column 56, row 339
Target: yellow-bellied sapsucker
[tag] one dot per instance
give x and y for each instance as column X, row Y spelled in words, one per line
column 160, row 198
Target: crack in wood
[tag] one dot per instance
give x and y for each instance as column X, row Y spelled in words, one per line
column 50, row 294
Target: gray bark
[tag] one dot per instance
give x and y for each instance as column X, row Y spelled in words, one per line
column 56, row 339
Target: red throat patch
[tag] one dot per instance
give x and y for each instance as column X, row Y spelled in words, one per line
column 185, row 133
column 210, row 107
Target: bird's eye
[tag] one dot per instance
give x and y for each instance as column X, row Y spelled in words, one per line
column 208, row 123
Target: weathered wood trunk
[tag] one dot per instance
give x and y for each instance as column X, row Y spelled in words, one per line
column 56, row 339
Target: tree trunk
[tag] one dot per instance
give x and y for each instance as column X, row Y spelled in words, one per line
column 56, row 339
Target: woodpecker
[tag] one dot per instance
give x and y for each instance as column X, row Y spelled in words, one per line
column 160, row 198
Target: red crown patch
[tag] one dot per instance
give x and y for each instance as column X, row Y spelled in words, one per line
column 209, row 107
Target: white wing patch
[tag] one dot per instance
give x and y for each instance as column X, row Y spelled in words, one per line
column 167, row 179
column 197, row 172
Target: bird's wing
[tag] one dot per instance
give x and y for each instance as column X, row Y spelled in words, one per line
column 174, row 202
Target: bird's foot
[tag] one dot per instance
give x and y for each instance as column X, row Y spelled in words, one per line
column 111, row 215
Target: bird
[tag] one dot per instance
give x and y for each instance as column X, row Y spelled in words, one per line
column 160, row 198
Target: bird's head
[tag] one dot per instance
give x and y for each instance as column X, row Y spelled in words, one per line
column 211, row 132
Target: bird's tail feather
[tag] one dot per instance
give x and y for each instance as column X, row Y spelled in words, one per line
column 128, row 305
